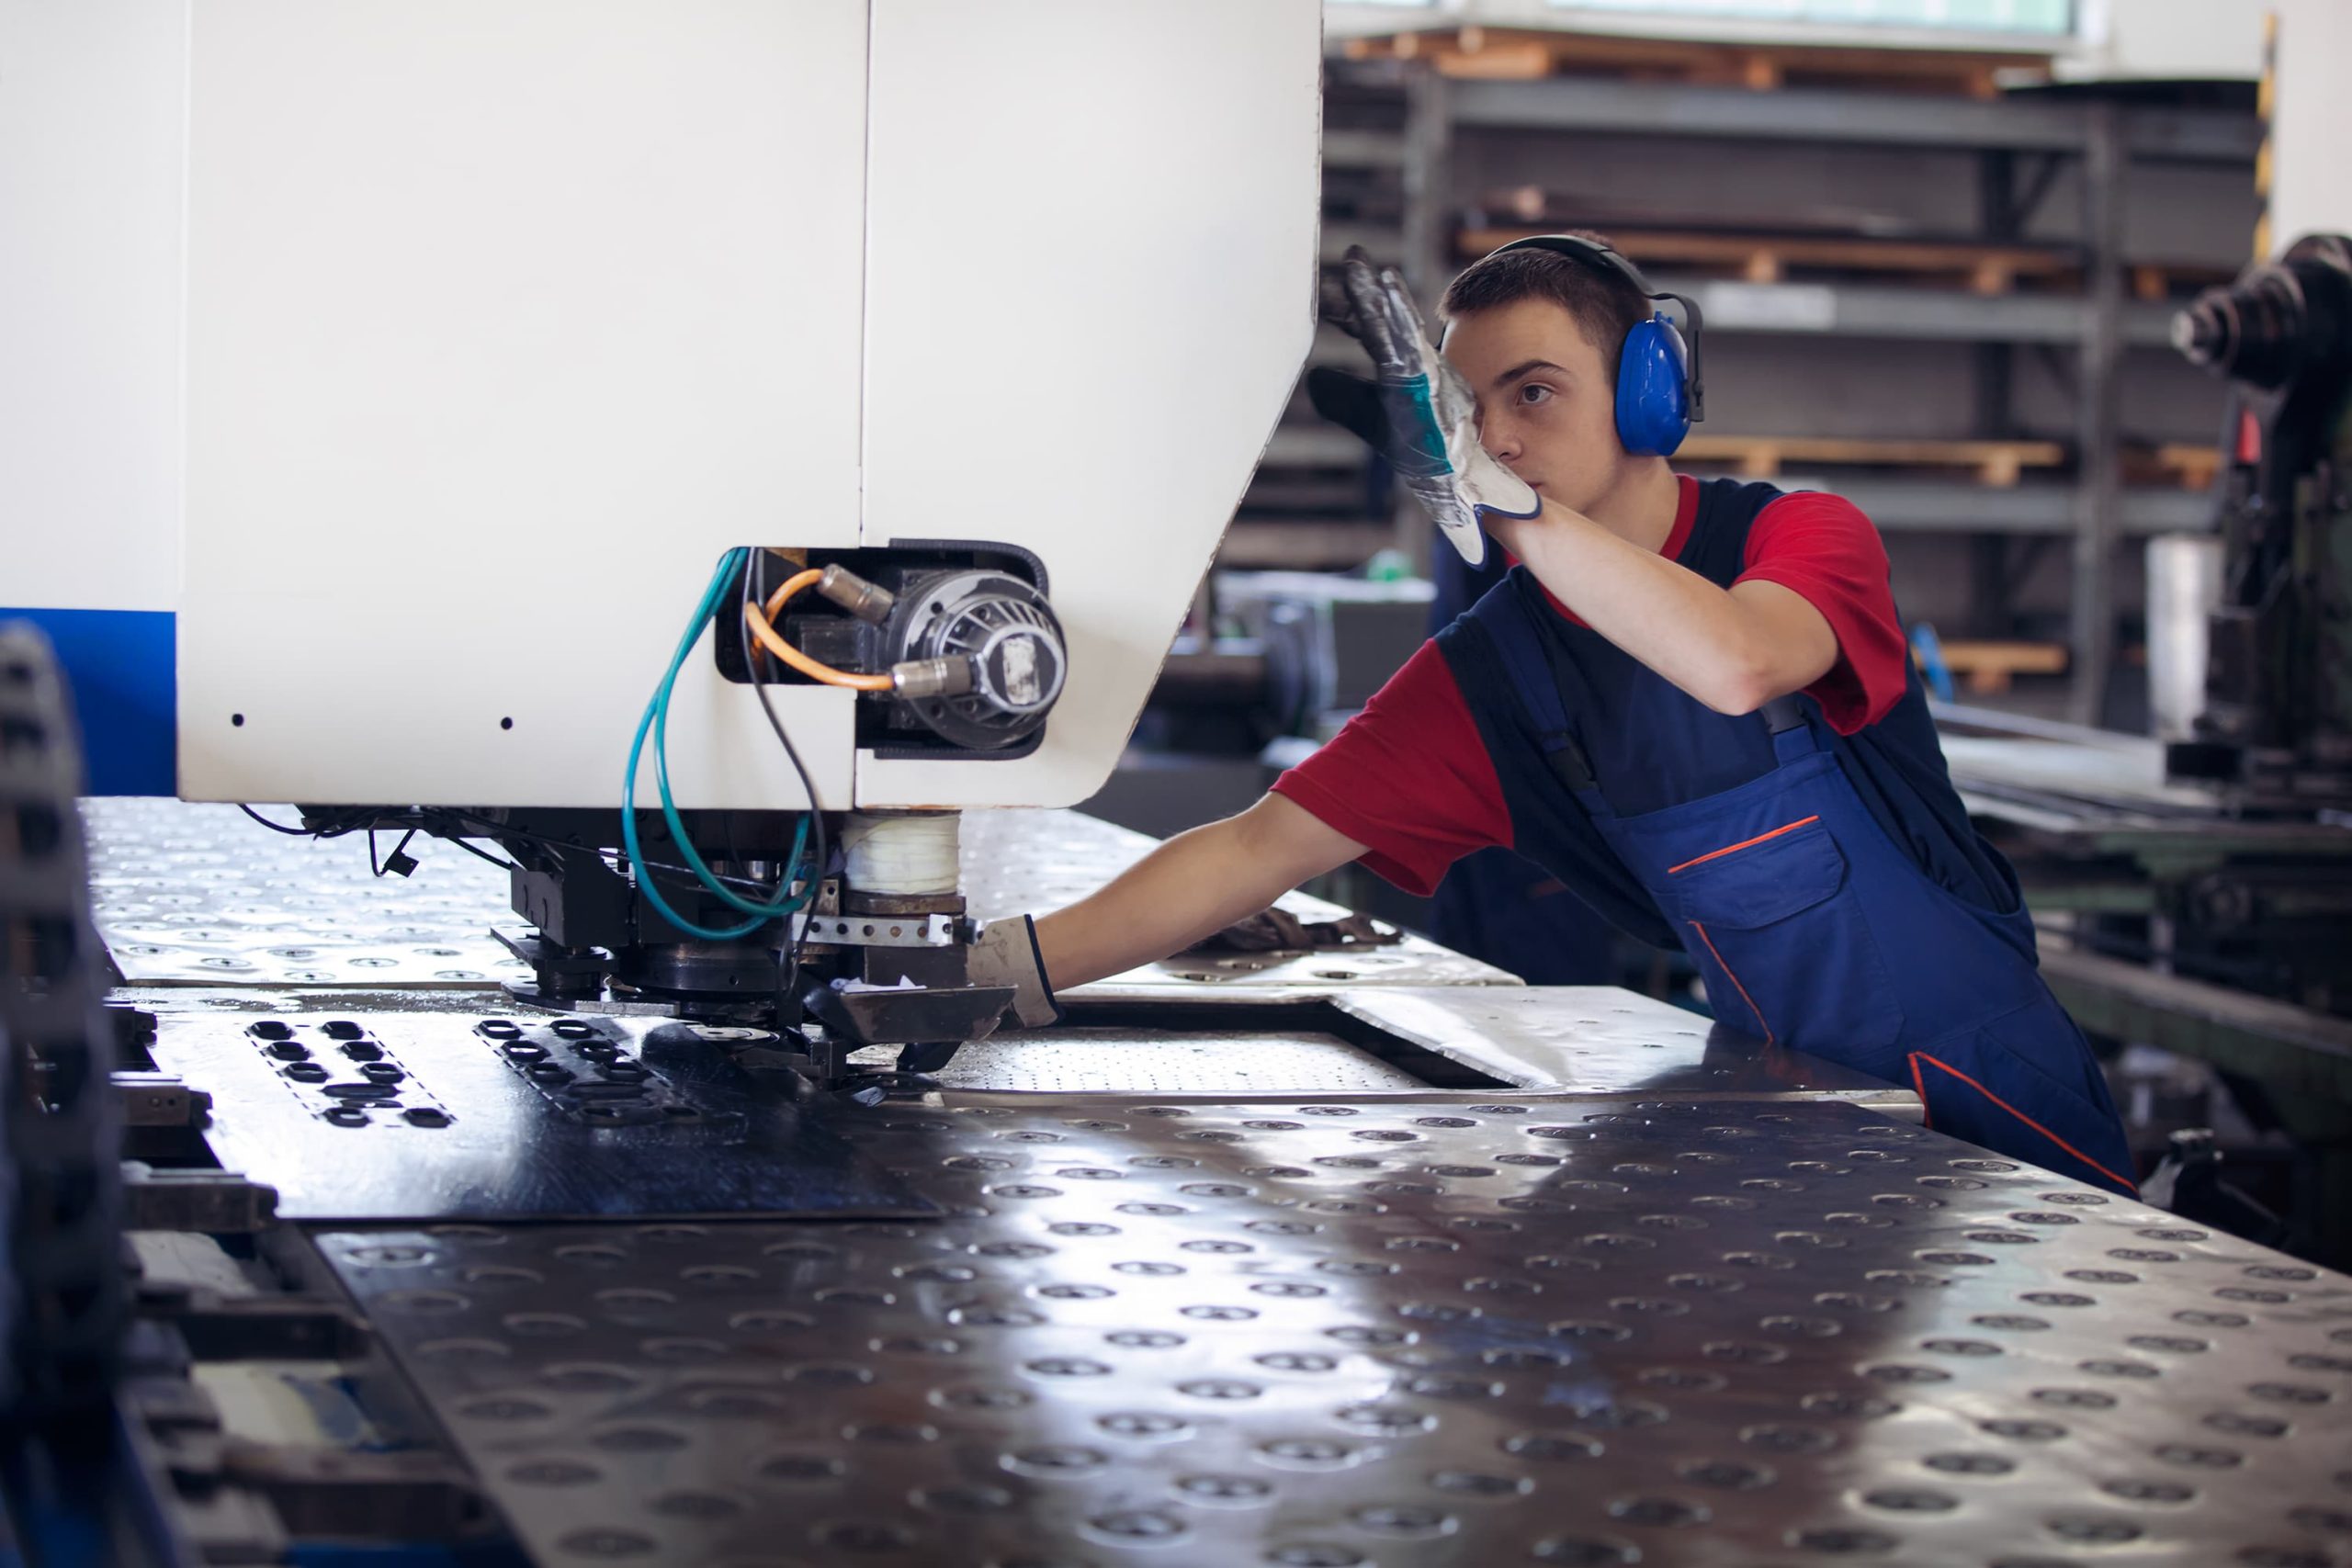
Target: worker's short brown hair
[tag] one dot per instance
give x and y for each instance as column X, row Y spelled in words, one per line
column 1606, row 306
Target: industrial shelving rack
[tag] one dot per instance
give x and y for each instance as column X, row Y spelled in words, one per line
column 1415, row 115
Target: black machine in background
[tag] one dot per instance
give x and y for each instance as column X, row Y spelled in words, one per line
column 2278, row 723
column 2195, row 894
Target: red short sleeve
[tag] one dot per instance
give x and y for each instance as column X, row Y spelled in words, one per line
column 1407, row 778
column 1823, row 549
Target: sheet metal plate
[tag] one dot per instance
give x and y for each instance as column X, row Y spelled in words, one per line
column 193, row 894
column 1587, row 1041
column 442, row 1114
column 1335, row 1334
column 646, row 1119
column 1601, row 1040
column 1082, row 1059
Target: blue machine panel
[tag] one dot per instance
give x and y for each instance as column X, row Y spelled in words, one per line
column 123, row 666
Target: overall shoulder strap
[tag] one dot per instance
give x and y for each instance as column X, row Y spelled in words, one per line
column 1509, row 618
column 1727, row 509
column 1791, row 728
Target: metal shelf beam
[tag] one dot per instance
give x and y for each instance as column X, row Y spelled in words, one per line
column 2015, row 123
column 1839, row 309
column 1896, row 505
column 1935, row 507
column 1344, row 148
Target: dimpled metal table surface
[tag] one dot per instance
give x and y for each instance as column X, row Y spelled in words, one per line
column 193, row 894
column 190, row 894
column 1335, row 1331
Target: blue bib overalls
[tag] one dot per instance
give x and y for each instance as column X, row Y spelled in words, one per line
column 1811, row 928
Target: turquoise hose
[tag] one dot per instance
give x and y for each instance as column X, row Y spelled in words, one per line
column 656, row 719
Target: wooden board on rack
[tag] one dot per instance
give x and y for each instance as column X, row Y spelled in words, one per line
column 2159, row 281
column 2185, row 464
column 1526, row 53
column 1995, row 463
column 1986, row 668
column 1768, row 258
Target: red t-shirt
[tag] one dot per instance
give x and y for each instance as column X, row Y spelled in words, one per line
column 1410, row 779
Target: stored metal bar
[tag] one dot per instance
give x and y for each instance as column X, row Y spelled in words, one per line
column 1933, row 505
column 1376, row 238
column 1922, row 314
column 1355, row 149
column 1313, row 446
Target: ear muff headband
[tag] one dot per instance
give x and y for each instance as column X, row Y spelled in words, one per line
column 1649, row 426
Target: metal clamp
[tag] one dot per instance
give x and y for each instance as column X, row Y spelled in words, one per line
column 884, row 930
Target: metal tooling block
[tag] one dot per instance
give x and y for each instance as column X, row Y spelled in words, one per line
column 511, row 1118
column 1345, row 1333
column 190, row 894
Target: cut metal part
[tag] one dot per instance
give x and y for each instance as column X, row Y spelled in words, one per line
column 159, row 1099
column 218, row 1203
column 1333, row 1332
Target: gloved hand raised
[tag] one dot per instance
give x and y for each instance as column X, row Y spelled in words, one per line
column 1417, row 412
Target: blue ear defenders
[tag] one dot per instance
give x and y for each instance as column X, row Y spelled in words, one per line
column 1659, row 394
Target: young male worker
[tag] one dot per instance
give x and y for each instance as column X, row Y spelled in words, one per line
column 1689, row 702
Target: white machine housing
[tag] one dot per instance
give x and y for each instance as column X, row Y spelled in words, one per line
column 505, row 317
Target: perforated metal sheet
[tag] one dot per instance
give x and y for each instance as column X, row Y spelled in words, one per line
column 1335, row 1334
column 436, row 1113
column 1081, row 1060
column 430, row 1115
column 192, row 893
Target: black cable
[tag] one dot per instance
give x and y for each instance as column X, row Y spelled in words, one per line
column 398, row 849
column 478, row 854
column 426, row 816
column 754, row 662
column 336, row 830
column 489, row 829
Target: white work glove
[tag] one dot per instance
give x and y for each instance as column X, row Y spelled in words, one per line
column 1417, row 412
column 1006, row 954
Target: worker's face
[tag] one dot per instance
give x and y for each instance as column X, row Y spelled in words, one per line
column 1547, row 407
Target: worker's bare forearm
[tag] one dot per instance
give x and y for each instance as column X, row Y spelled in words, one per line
column 1190, row 888
column 1733, row 650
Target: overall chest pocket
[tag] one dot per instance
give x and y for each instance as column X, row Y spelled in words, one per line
column 1776, row 917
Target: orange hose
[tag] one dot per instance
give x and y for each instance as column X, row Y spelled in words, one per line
column 763, row 628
